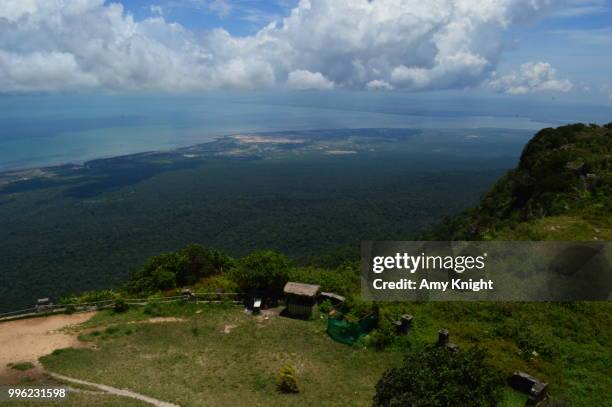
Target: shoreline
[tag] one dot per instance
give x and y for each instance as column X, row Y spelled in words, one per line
column 76, row 164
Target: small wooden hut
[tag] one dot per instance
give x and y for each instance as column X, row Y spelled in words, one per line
column 301, row 299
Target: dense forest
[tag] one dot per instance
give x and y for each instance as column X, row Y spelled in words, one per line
column 308, row 195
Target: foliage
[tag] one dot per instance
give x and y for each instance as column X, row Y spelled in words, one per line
column 221, row 283
column 184, row 267
column 383, row 336
column 120, row 305
column 326, row 306
column 262, row 272
column 354, row 308
column 437, row 377
column 342, row 280
column 286, row 379
column 562, row 172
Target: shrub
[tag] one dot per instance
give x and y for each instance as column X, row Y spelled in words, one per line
column 286, row 380
column 354, row 308
column 436, row 376
column 264, row 272
column 326, row 306
column 217, row 284
column 184, row 267
column 382, row 336
column 120, row 305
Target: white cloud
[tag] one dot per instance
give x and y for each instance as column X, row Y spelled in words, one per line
column 377, row 44
column 377, row 84
column 303, row 80
column 532, row 77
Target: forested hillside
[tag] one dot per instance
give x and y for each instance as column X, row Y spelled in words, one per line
column 561, row 190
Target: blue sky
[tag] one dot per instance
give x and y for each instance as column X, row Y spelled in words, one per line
column 519, row 48
column 239, row 17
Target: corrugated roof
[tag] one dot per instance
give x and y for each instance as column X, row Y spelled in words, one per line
column 306, row 290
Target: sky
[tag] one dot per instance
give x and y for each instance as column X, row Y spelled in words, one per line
column 522, row 49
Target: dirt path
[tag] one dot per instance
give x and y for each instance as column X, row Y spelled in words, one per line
column 26, row 340
column 115, row 391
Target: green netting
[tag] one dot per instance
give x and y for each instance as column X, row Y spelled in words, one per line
column 350, row 332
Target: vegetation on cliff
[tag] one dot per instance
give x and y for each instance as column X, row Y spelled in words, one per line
column 561, row 190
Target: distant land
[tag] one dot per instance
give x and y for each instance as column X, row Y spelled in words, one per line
column 41, row 131
column 76, row 227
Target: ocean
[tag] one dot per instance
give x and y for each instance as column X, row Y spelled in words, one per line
column 42, row 130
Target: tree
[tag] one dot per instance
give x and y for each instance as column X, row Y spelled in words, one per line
column 185, row 267
column 265, row 272
column 438, row 377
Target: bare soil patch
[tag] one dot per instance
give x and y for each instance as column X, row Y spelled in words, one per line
column 26, row 340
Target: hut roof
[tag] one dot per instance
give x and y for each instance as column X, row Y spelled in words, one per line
column 301, row 289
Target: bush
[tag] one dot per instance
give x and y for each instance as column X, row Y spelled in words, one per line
column 217, row 284
column 382, row 336
column 342, row 280
column 354, row 309
column 286, row 380
column 120, row 305
column 436, row 376
column 326, row 306
column 263, row 272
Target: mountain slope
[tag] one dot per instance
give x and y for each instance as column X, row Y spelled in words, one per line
column 561, row 190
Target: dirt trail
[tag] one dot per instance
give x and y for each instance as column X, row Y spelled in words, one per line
column 115, row 391
column 26, row 340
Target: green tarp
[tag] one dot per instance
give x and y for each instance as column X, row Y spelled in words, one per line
column 350, row 332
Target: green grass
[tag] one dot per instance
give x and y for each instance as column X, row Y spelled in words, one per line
column 192, row 363
column 168, row 361
column 513, row 398
column 562, row 228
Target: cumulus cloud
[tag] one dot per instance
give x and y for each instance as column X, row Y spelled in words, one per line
column 532, row 77
column 303, row 80
column 377, row 44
